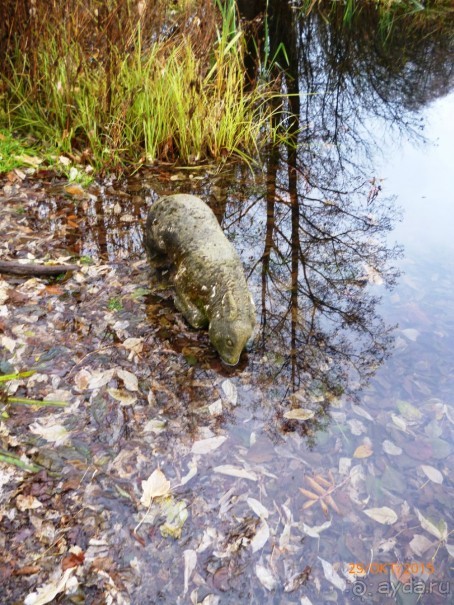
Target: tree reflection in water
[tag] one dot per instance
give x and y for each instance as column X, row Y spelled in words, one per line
column 322, row 218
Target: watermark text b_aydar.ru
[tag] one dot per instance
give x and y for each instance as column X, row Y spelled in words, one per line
column 413, row 586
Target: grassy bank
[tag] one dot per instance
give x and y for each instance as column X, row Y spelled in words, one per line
column 144, row 82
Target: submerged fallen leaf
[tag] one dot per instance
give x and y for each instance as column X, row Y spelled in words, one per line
column 387, row 546
column 420, row 544
column 134, row 345
column 27, row 502
column 411, row 334
column 55, row 433
column 230, row 391
column 176, row 512
column 399, row 422
column 129, row 379
column 258, row 508
column 122, row 396
column 204, row 446
column 357, row 427
column 265, row 576
column 361, row 412
column 8, row 343
column 4, row 291
column 48, row 592
column 234, row 471
column 297, row 580
column 155, row 425
column 261, row 537
column 315, row 531
column 432, row 473
column 409, row 411
column 155, row 486
column 215, row 408
column 391, row 449
column 299, row 414
column 191, row 473
column 322, row 494
column 190, row 561
column 100, row 378
column 332, row 576
column 221, row 579
column 82, row 379
column 440, row 531
column 363, row 451
column 384, row 515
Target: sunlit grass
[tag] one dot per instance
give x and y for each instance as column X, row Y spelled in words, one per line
column 14, row 152
column 162, row 102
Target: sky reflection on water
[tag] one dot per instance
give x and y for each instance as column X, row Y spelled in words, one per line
column 421, row 177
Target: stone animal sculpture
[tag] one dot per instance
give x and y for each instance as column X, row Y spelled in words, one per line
column 209, row 281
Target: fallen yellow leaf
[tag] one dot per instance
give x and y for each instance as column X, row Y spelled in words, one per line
column 155, row 486
column 363, row 451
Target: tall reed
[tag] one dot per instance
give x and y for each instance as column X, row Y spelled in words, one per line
column 158, row 97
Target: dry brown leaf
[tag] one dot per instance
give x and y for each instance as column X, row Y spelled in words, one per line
column 324, row 508
column 75, row 190
column 330, row 501
column 52, row 289
column 322, row 481
column 318, row 488
column 309, row 503
column 323, row 495
column 309, row 494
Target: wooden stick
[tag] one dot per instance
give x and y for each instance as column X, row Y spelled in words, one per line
column 14, row 268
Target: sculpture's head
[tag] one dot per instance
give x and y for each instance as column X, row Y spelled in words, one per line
column 229, row 337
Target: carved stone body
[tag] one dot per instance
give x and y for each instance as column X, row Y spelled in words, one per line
column 210, row 286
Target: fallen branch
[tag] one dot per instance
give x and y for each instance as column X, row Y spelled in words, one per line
column 14, row 268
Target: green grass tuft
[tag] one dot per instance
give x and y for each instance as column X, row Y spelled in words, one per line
column 160, row 101
column 14, row 152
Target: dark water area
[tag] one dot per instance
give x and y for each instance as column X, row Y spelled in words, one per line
column 318, row 470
